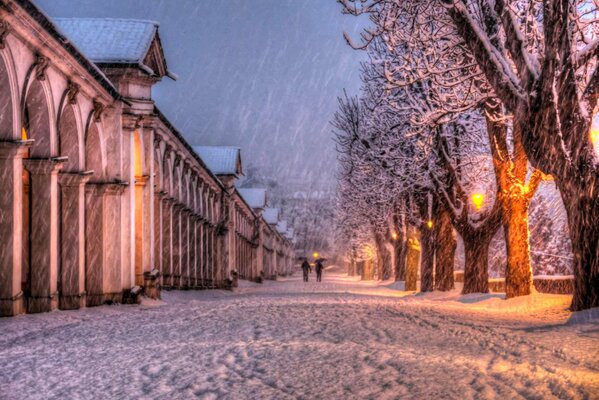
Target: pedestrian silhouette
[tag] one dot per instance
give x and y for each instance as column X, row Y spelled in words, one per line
column 319, row 267
column 306, row 269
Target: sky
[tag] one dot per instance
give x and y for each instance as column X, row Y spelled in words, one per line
column 263, row 75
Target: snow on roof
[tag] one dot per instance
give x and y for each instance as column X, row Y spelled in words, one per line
column 110, row 40
column 222, row 160
column 290, row 233
column 282, row 226
column 255, row 197
column 271, row 215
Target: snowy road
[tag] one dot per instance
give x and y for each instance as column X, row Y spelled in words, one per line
column 341, row 339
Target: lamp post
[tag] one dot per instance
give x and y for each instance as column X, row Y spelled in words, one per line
column 429, row 223
column 394, row 235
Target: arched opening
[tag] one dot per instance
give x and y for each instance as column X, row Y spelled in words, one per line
column 68, row 139
column 6, row 104
column 93, row 152
column 71, row 268
column 11, row 303
column 40, row 204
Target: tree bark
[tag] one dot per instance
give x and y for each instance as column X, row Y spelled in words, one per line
column 445, row 247
column 518, row 273
column 476, row 274
column 583, row 223
column 427, row 259
column 399, row 248
column 383, row 257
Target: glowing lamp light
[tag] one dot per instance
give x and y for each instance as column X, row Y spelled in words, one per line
column 315, row 255
column 23, row 134
column 394, row 236
column 429, row 223
column 595, row 135
column 478, row 199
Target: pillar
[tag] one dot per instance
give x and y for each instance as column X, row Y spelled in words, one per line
column 103, row 272
column 175, row 281
column 43, row 290
column 11, row 227
column 167, row 241
column 141, row 243
column 185, row 248
column 72, row 254
column 158, row 230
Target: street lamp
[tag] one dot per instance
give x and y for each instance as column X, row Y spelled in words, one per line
column 478, row 199
column 394, row 236
column 429, row 223
column 315, row 255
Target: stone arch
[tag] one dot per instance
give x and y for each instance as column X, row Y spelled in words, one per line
column 70, row 138
column 10, row 125
column 158, row 174
column 95, row 151
column 167, row 168
column 176, row 182
column 38, row 120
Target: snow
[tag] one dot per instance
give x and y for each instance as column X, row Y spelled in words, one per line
column 342, row 338
column 221, row 160
column 255, row 197
column 271, row 215
column 110, row 40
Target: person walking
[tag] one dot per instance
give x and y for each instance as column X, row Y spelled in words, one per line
column 306, row 269
column 319, row 267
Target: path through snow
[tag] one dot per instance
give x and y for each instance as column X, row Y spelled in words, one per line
column 341, row 339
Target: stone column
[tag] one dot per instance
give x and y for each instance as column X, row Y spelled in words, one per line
column 11, row 226
column 175, row 281
column 142, row 248
column 158, row 230
column 167, row 241
column 185, row 248
column 193, row 252
column 102, row 242
column 43, row 293
column 72, row 255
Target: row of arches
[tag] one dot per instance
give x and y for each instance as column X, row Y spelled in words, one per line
column 49, row 150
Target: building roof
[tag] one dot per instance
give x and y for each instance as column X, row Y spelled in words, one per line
column 222, row 160
column 255, row 197
column 51, row 27
column 271, row 215
column 282, row 227
column 118, row 41
column 110, row 40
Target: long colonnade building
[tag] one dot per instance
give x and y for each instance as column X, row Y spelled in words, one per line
column 98, row 187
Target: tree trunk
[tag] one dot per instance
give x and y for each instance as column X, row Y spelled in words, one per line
column 383, row 257
column 399, row 249
column 427, row 260
column 476, row 273
column 583, row 223
column 445, row 247
column 518, row 274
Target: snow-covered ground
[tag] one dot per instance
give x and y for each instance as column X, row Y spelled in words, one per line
column 340, row 339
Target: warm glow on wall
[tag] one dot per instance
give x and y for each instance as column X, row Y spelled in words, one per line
column 478, row 199
column 429, row 224
column 595, row 135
